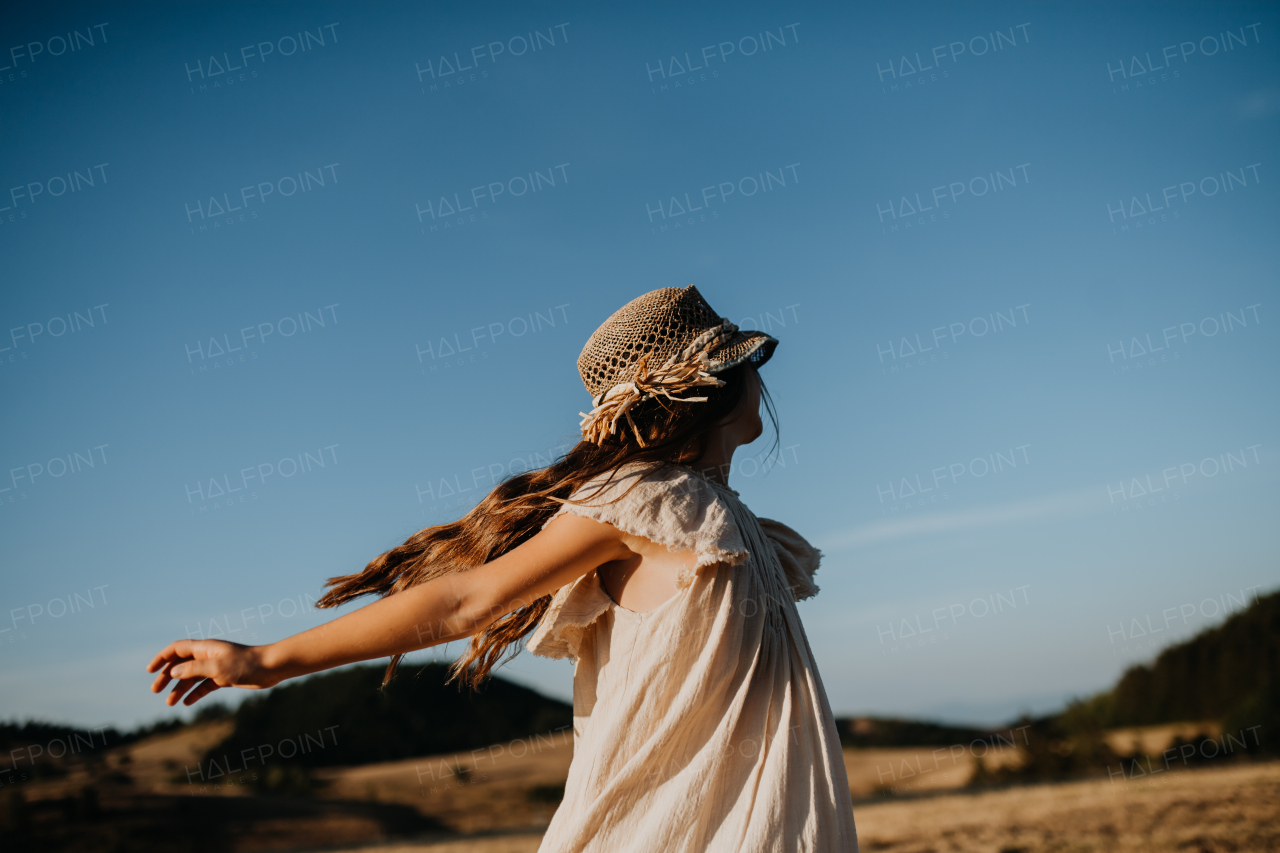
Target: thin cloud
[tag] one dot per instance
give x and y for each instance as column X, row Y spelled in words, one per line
column 1063, row 504
column 1258, row 104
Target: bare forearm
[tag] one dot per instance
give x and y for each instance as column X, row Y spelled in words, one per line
column 416, row 618
column 451, row 607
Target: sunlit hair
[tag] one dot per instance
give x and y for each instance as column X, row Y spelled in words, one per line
column 517, row 508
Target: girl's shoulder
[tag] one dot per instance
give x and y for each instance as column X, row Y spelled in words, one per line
column 665, row 503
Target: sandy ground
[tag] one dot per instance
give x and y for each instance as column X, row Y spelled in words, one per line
column 1191, row 811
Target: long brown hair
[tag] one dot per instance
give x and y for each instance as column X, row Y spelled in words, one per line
column 674, row 431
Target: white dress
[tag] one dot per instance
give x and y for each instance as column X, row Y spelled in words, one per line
column 700, row 725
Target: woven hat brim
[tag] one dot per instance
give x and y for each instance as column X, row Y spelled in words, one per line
column 756, row 347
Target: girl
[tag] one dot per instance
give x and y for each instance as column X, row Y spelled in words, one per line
column 700, row 722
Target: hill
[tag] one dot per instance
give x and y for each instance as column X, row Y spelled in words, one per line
column 881, row 732
column 344, row 718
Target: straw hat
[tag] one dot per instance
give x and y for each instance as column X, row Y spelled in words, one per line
column 659, row 344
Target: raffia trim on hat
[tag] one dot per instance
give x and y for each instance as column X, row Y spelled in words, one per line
column 690, row 368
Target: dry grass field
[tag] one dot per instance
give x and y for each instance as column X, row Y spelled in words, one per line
column 499, row 800
column 1220, row 809
column 513, row 786
column 510, row 786
column 1153, row 739
column 1193, row 811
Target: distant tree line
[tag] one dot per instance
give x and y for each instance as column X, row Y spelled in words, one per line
column 1229, row 674
column 1219, row 674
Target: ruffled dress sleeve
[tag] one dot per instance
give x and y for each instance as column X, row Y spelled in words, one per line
column 669, row 506
column 799, row 559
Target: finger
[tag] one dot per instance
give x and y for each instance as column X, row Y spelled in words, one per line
column 181, row 668
column 192, row 669
column 165, row 676
column 188, row 673
column 202, row 690
column 162, row 680
column 161, row 659
column 179, row 690
column 176, row 649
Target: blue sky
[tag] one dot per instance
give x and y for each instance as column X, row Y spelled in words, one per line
column 1020, row 258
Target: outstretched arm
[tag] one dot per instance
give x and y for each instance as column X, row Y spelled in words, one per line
column 447, row 608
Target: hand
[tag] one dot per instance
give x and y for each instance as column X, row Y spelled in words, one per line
column 207, row 665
